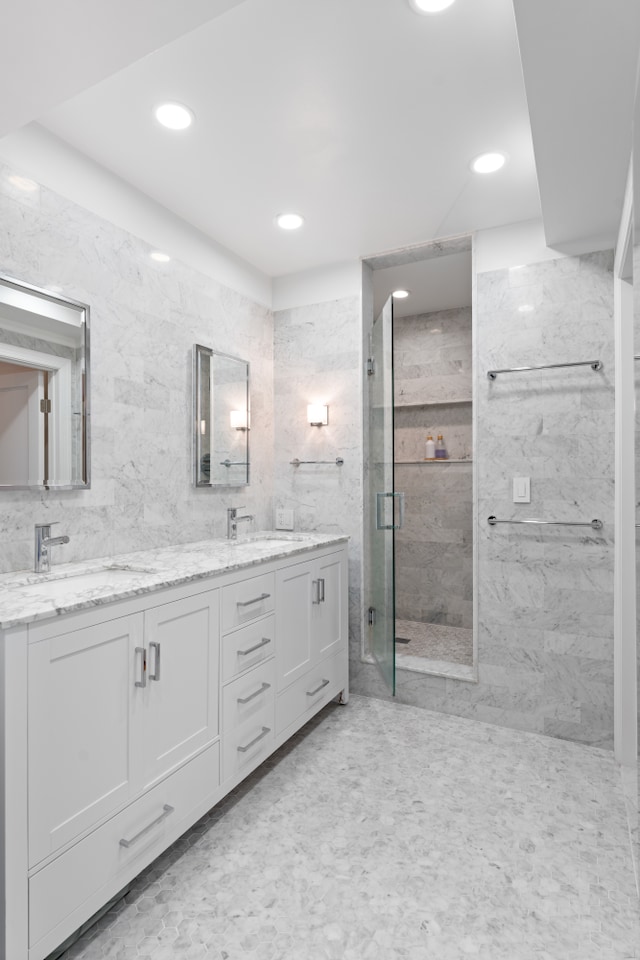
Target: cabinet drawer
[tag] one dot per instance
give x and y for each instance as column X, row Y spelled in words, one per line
column 247, row 647
column 58, row 891
column 310, row 692
column 247, row 600
column 248, row 719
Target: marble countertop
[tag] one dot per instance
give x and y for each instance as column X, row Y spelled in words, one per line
column 26, row 596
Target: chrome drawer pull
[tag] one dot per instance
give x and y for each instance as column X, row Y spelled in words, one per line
column 247, row 603
column 263, row 643
column 166, row 810
column 321, row 590
column 316, row 586
column 247, row 746
column 142, row 682
column 312, row 693
column 256, row 693
column 156, row 674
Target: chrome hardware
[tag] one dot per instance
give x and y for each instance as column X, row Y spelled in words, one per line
column 321, row 589
column 371, row 367
column 156, row 673
column 316, row 586
column 44, row 540
column 371, row 616
column 389, row 526
column 142, row 682
column 263, row 643
column 256, row 693
column 247, row 746
column 296, row 463
column 312, row 693
column 594, row 364
column 233, row 520
column 247, row 603
column 166, row 810
column 595, row 524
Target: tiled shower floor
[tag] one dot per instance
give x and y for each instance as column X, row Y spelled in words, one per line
column 435, row 648
column 387, row 831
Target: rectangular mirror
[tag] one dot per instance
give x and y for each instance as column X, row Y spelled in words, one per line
column 221, row 419
column 44, row 388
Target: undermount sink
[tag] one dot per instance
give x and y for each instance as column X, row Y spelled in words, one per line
column 255, row 538
column 52, row 587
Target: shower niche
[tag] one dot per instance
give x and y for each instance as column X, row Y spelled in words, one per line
column 432, row 397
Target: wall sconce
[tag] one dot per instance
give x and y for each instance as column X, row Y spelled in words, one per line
column 203, row 428
column 238, row 419
column 318, row 414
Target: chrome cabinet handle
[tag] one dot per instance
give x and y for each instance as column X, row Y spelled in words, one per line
column 312, row 693
column 166, row 810
column 142, row 682
column 389, row 526
column 256, row 693
column 263, row 643
column 321, row 589
column 316, row 586
column 156, row 674
column 247, row 603
column 247, row 746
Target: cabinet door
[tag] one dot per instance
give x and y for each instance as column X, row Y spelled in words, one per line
column 293, row 622
column 176, row 713
column 330, row 597
column 78, row 735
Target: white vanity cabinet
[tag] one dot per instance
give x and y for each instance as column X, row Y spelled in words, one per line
column 125, row 722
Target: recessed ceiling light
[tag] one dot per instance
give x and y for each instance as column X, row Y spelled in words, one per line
column 430, row 6
column 22, row 183
column 174, row 116
column 160, row 257
column 289, row 221
column 488, row 162
column 400, row 294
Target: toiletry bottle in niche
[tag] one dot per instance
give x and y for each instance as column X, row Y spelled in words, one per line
column 430, row 449
column 441, row 450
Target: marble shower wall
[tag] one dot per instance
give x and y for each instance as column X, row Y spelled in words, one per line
column 434, row 551
column 318, row 359
column 545, row 631
column 145, row 318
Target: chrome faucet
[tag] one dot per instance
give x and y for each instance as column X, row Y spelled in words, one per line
column 44, row 540
column 233, row 520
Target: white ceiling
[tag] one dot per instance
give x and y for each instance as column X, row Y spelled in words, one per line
column 54, row 50
column 359, row 114
column 442, row 283
column 580, row 59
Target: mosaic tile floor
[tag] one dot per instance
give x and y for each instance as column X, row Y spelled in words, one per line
column 388, row 831
column 435, row 641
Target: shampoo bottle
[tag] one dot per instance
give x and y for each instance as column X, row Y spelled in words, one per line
column 441, row 450
column 431, row 449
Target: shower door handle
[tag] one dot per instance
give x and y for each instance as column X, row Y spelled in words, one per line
column 379, row 510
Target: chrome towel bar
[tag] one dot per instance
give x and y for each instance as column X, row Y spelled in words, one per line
column 233, row 463
column 595, row 524
column 594, row 364
column 296, row 463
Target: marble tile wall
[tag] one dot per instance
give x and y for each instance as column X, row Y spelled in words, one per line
column 318, row 359
column 434, row 558
column 145, row 318
column 434, row 550
column 545, row 596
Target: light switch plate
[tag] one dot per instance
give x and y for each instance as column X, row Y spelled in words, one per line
column 284, row 519
column 522, row 489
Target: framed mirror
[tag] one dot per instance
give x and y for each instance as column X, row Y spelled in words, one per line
column 44, row 389
column 221, row 419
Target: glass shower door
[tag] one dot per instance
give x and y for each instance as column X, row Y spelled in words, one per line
column 382, row 497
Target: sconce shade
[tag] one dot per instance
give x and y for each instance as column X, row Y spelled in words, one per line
column 238, row 419
column 318, row 414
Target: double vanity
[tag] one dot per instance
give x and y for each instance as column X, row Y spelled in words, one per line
column 139, row 691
